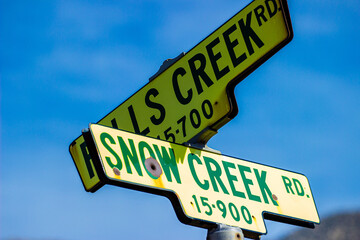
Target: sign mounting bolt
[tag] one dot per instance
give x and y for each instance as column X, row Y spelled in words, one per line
column 274, row 197
column 153, row 167
column 116, row 171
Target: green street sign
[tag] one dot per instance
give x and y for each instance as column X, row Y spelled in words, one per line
column 204, row 187
column 194, row 97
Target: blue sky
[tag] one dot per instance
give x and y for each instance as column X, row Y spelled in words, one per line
column 64, row 64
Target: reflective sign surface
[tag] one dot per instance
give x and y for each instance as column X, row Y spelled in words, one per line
column 204, row 187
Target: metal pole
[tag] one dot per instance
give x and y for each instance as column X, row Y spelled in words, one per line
column 225, row 232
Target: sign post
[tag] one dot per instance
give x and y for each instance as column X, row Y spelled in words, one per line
column 205, row 188
column 194, row 97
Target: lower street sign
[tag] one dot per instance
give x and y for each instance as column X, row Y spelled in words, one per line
column 205, row 188
column 194, row 97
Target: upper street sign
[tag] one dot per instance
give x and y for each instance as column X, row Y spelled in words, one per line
column 205, row 188
column 194, row 97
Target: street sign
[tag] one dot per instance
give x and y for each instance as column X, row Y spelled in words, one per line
column 194, row 97
column 204, row 187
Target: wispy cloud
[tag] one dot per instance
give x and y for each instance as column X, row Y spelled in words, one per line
column 188, row 24
column 81, row 71
column 309, row 24
column 90, row 20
